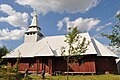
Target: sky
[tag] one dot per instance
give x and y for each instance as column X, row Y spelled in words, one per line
column 55, row 16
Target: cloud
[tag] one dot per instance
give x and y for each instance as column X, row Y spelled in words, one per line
column 70, row 6
column 83, row 25
column 14, row 18
column 99, row 28
column 117, row 13
column 97, row 36
column 108, row 24
column 6, row 34
column 115, row 50
column 1, row 44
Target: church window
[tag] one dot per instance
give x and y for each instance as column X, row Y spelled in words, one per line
column 81, row 61
column 30, row 33
column 31, row 64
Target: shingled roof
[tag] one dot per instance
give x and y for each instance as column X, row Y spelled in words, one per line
column 50, row 46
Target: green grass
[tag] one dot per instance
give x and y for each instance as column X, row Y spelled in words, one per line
column 79, row 77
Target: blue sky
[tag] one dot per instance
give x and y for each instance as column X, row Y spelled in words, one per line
column 55, row 16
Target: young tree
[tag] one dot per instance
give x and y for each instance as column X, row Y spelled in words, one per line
column 75, row 47
column 115, row 36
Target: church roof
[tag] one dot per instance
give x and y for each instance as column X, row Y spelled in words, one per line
column 102, row 50
column 51, row 46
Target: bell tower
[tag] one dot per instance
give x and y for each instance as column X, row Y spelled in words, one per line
column 33, row 33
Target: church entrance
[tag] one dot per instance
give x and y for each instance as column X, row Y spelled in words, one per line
column 44, row 63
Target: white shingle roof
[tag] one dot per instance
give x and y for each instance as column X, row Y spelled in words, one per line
column 50, row 46
column 102, row 50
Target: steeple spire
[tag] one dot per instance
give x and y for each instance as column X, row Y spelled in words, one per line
column 33, row 33
column 35, row 19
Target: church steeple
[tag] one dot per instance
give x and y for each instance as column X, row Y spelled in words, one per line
column 35, row 19
column 33, row 33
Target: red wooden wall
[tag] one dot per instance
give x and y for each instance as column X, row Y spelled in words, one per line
column 87, row 65
column 106, row 65
column 90, row 63
column 28, row 63
column 36, row 64
column 59, row 64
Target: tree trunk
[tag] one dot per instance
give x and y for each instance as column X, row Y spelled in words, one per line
column 67, row 70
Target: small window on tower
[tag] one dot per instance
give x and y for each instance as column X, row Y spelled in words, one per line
column 33, row 32
column 30, row 33
column 27, row 33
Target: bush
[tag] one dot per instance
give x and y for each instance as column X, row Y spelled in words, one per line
column 9, row 73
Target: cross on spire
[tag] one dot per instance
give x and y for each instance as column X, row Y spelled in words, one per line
column 35, row 18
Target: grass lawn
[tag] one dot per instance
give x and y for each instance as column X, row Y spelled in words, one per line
column 79, row 77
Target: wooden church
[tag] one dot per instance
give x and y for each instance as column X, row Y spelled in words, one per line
column 39, row 52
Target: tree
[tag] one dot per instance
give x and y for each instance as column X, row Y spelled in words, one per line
column 3, row 51
column 115, row 36
column 75, row 47
column 8, row 72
